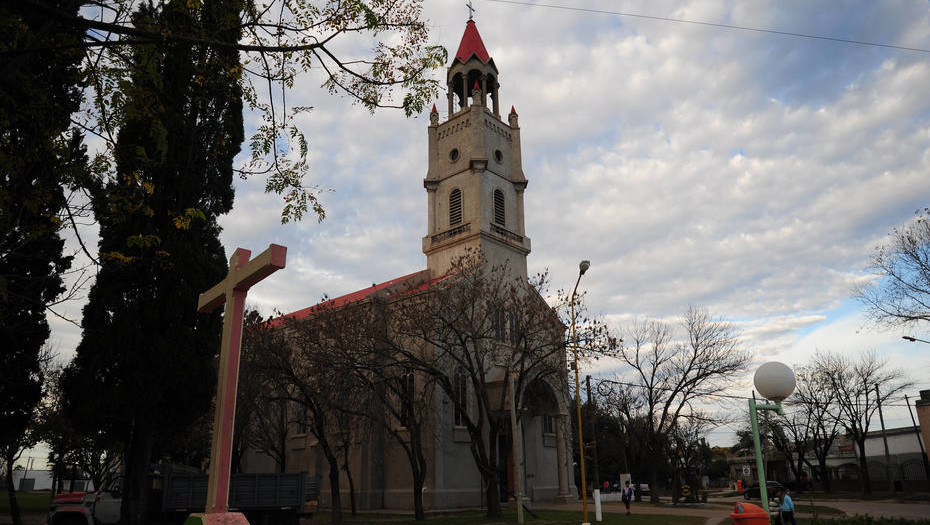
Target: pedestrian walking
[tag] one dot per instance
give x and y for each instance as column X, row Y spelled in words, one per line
column 627, row 496
column 787, row 508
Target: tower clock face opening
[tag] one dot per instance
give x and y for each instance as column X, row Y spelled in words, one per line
column 454, row 154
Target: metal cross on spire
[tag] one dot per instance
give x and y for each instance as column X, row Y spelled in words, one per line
column 471, row 10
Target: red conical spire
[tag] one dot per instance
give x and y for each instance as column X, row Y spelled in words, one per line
column 434, row 108
column 513, row 111
column 471, row 44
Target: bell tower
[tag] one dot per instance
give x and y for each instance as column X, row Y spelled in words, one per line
column 475, row 179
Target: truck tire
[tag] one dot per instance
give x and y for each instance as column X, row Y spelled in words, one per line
column 69, row 519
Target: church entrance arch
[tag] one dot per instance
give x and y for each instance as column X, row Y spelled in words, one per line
column 542, row 433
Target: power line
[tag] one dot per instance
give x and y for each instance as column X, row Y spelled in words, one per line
column 714, row 24
column 788, row 402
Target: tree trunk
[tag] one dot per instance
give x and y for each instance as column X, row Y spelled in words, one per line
column 419, row 513
column 864, row 468
column 493, row 496
column 797, row 467
column 282, row 437
column 654, row 477
column 334, row 494
column 418, row 468
column 135, row 487
column 493, row 493
column 345, row 466
column 11, row 492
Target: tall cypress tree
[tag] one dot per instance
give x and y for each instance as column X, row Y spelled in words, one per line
column 39, row 81
column 145, row 369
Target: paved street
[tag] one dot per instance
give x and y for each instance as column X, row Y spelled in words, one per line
column 718, row 510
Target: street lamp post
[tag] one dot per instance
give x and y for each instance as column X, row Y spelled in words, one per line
column 913, row 339
column 774, row 381
column 582, row 268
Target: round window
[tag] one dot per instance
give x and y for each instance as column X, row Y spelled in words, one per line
column 498, row 156
column 454, row 155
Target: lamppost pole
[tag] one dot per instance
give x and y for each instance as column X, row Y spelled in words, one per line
column 757, row 443
column 775, row 381
column 913, row 339
column 582, row 268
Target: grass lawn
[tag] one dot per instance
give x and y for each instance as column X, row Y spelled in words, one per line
column 28, row 501
column 546, row 517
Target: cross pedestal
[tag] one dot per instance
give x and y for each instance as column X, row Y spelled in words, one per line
column 232, row 290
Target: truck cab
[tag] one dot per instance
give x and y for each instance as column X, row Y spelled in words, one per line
column 85, row 508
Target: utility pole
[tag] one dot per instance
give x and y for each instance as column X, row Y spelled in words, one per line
column 591, row 418
column 881, row 419
column 597, row 482
column 920, row 442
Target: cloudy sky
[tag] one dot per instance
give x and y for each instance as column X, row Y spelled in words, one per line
column 748, row 172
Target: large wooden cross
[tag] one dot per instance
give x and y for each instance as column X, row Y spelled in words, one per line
column 232, row 290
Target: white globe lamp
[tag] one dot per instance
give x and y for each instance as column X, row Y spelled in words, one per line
column 774, row 381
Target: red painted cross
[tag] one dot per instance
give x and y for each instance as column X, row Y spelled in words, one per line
column 232, row 290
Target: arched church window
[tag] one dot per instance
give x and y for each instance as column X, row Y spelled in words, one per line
column 548, row 424
column 455, row 207
column 513, row 328
column 299, row 415
column 460, row 389
column 499, row 216
column 406, row 392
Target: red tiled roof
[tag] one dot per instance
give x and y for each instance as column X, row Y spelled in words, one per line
column 356, row 296
column 471, row 44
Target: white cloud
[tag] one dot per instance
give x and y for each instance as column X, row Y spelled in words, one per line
column 750, row 173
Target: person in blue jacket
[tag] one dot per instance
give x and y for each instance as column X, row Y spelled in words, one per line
column 787, row 508
column 627, row 496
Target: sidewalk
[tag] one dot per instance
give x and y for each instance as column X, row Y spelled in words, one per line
column 714, row 513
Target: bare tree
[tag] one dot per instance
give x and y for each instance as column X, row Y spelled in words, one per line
column 96, row 455
column 899, row 294
column 345, row 344
column 467, row 333
column 21, row 426
column 814, row 403
column 387, row 393
column 667, row 379
column 306, row 369
column 261, row 402
column 861, row 385
column 400, row 400
column 793, row 438
column 689, row 450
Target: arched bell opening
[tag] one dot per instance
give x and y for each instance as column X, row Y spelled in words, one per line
column 491, row 89
column 457, row 94
column 475, row 85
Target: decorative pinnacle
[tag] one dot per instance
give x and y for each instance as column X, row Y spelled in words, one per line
column 513, row 111
column 434, row 109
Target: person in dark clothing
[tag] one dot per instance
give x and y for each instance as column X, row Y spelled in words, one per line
column 627, row 496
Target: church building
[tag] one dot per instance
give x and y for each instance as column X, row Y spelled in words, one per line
column 475, row 189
